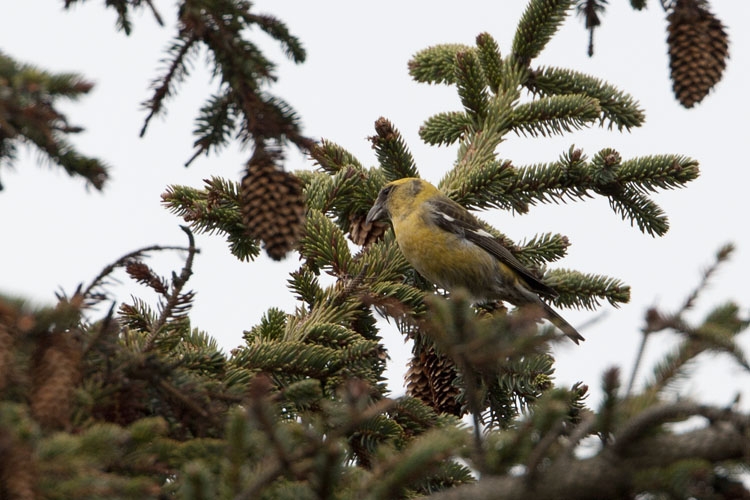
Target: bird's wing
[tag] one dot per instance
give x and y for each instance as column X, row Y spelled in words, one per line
column 452, row 217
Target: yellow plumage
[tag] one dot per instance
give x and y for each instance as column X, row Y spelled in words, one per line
column 448, row 246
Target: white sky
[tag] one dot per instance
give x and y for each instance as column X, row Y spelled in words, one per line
column 55, row 234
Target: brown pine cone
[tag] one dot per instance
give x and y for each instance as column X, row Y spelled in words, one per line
column 272, row 206
column 698, row 50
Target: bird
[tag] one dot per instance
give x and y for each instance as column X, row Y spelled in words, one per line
column 447, row 245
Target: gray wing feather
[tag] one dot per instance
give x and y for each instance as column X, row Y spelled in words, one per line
column 450, row 216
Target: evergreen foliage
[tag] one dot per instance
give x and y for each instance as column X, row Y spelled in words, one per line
column 136, row 403
column 28, row 115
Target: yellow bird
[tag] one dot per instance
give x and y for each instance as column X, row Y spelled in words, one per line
column 446, row 244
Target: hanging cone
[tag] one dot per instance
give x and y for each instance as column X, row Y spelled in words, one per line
column 272, row 206
column 429, row 378
column 17, row 470
column 698, row 50
column 6, row 355
column 55, row 371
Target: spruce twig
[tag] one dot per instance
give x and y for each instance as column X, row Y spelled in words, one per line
column 175, row 299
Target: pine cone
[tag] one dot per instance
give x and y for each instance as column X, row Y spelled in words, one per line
column 363, row 233
column 14, row 324
column 429, row 378
column 6, row 355
column 17, row 470
column 698, row 50
column 55, row 371
column 272, row 206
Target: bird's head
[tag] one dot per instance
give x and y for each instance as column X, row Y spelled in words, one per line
column 404, row 194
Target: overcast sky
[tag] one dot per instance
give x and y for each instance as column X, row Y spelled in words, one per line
column 56, row 234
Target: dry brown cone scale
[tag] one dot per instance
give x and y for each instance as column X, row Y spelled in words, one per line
column 18, row 470
column 6, row 353
column 55, row 373
column 272, row 205
column 362, row 232
column 429, row 378
column 698, row 50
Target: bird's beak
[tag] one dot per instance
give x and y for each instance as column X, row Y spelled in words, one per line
column 377, row 211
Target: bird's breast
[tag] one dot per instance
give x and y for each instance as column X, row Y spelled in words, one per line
column 446, row 259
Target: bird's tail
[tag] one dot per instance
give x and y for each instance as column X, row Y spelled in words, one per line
column 560, row 323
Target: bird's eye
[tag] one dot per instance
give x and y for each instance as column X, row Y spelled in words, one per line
column 386, row 191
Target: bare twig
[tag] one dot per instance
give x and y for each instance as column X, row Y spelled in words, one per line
column 89, row 291
column 657, row 321
column 175, row 295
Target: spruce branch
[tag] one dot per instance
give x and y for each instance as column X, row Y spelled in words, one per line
column 672, row 368
column 607, row 418
column 652, row 173
column 29, row 114
column 436, row 64
column 445, row 128
column 618, row 109
column 383, row 260
column 399, row 301
column 271, row 326
column 214, row 209
column 304, row 284
column 240, row 107
column 414, row 416
column 138, row 316
column 717, row 332
column 393, row 155
column 638, row 427
column 484, row 187
column 584, row 290
column 555, row 115
column 471, row 84
column 95, row 292
column 551, row 415
column 123, row 7
column 184, row 400
column 617, row 473
column 143, row 274
column 546, row 182
column 623, row 182
column 277, row 30
column 244, row 69
column 420, row 458
column 348, row 195
column 216, row 121
column 176, row 304
column 331, row 157
column 177, row 63
column 298, row 461
column 542, row 248
column 491, row 61
column 479, row 145
column 539, row 22
column 319, row 189
column 494, row 353
column 642, row 211
column 324, row 245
